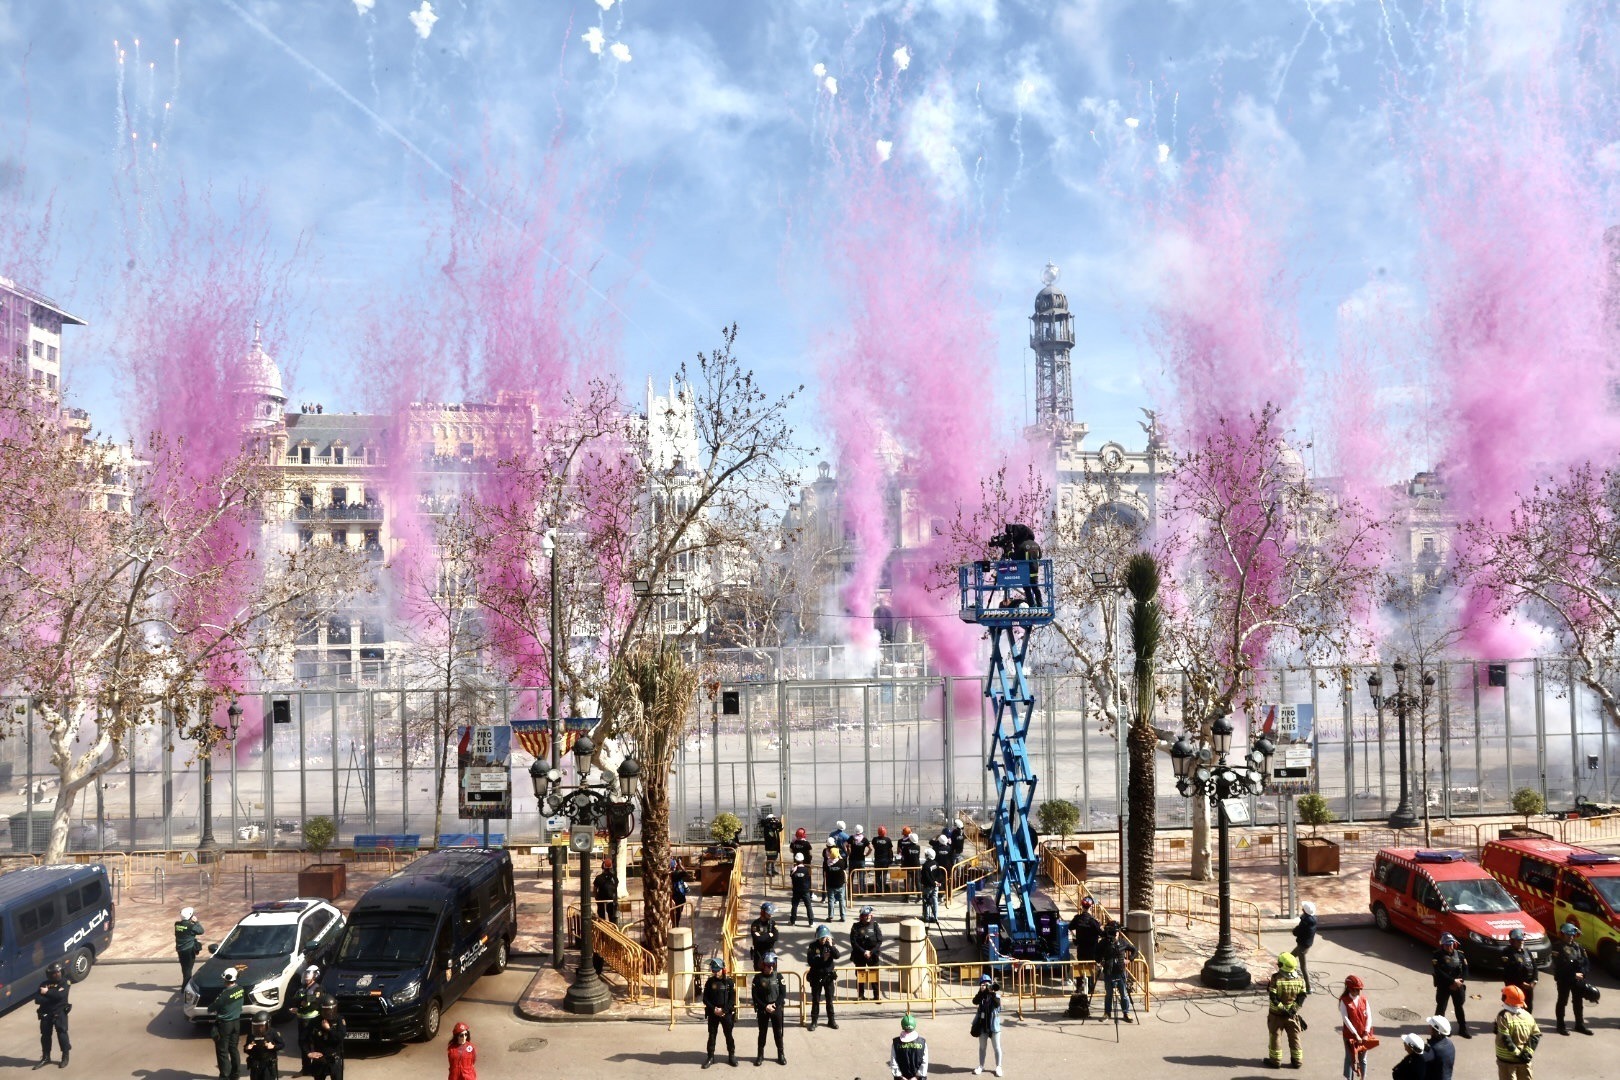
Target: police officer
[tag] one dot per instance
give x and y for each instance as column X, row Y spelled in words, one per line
column 720, row 1009
column 799, row 880
column 187, row 932
column 1085, row 931
column 262, row 1047
column 800, row 844
column 770, row 827
column 866, row 952
column 605, row 890
column 1450, row 971
column 1287, row 994
column 770, row 1002
column 762, row 935
column 1519, row 968
column 933, row 881
column 306, row 1006
column 833, row 873
column 822, row 963
column 51, row 1002
column 882, row 857
column 228, row 1027
column 326, row 1061
column 1571, row 965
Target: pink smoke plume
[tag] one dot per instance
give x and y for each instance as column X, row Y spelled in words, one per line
column 1518, row 278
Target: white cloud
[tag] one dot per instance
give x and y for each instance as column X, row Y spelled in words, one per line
column 885, row 149
column 819, row 71
column 363, row 7
column 1520, row 33
column 620, row 51
column 831, row 84
column 423, row 19
column 902, row 58
column 1131, row 121
column 932, row 132
column 594, row 40
column 604, row 4
column 1164, row 153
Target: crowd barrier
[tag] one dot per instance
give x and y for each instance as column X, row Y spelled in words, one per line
column 1194, row 905
column 635, row 964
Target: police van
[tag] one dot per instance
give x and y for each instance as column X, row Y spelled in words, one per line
column 418, row 940
column 60, row 914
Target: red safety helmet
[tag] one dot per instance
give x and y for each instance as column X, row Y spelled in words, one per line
column 905, row 830
column 461, row 1029
column 798, row 834
column 1352, row 982
column 882, row 831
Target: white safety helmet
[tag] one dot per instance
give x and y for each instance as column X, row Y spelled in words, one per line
column 798, row 856
column 957, row 822
column 312, row 973
column 1308, row 908
column 188, row 913
column 860, row 830
column 229, row 975
column 928, row 853
column 840, row 825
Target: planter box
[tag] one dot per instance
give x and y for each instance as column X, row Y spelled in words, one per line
column 1316, row 855
column 329, row 881
column 1520, row 832
column 714, row 876
column 1073, row 860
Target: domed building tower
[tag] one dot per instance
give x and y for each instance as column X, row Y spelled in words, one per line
column 261, row 401
column 1051, row 335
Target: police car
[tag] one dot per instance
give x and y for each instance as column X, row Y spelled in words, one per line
column 268, row 950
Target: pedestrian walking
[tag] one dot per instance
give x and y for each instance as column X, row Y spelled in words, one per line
column 1412, row 1066
column 882, row 857
column 860, row 848
column 1450, row 975
column 1085, row 932
column 605, row 890
column 908, row 1053
column 1571, row 965
column 678, row 878
column 933, row 881
column 770, row 1002
column 262, row 1047
column 326, row 1060
column 1440, row 1056
column 799, row 881
column 720, row 1010
column 228, row 1027
column 821, row 962
column 800, row 844
column 187, row 942
column 762, row 935
column 463, row 1054
column 833, row 872
column 306, row 1007
column 1519, row 968
column 866, row 952
column 1304, row 938
column 1286, row 996
column 987, row 1020
column 1355, row 1024
column 52, row 1005
column 1116, row 964
column 1517, row 1037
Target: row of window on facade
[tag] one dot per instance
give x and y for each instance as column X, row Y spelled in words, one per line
column 312, row 664
column 340, row 497
column 341, row 630
column 370, row 540
column 304, row 454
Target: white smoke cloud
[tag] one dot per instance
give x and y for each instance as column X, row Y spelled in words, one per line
column 423, row 19
column 819, row 71
column 363, row 7
column 931, row 134
column 902, row 58
column 604, row 4
column 620, row 51
column 593, row 38
column 1164, row 153
column 1131, row 121
column 831, row 84
column 885, row 148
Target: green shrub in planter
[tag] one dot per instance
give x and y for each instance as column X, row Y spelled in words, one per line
column 1057, row 817
column 1529, row 802
column 1314, row 811
column 725, row 828
column 319, row 832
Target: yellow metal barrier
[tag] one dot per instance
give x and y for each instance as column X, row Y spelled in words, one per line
column 884, row 881
column 1194, row 905
column 744, row 981
column 1034, row 980
column 624, row 956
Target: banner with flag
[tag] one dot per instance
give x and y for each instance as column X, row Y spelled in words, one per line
column 534, row 736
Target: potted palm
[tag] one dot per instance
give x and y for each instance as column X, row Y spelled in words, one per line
column 1060, row 817
column 1315, row 854
column 327, row 880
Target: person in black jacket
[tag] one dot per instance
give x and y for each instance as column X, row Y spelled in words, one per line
column 834, row 871
column 720, row 1010
column 860, row 849
column 910, row 848
column 770, row 827
column 762, row 935
column 1085, row 931
column 1570, row 967
column 1304, row 938
column 605, row 889
column 866, row 953
column 1441, row 1054
column 799, row 879
column 882, row 857
column 187, row 943
column 1519, row 968
column 821, row 973
column 262, row 1048
column 1412, row 1066
column 800, row 844
column 1450, row 975
column 933, row 883
column 51, row 1003
column 958, row 836
column 770, row 1002
column 678, row 881
column 326, row 1061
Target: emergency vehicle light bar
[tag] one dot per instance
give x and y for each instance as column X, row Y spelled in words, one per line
column 1440, row 856
column 1590, row 858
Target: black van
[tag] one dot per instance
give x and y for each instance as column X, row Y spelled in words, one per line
column 418, row 939
column 51, row 914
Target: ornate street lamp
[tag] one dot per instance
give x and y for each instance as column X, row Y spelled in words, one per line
column 1403, row 701
column 207, row 736
column 1204, row 772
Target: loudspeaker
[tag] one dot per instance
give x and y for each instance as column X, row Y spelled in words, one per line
column 1496, row 674
column 281, row 711
column 730, row 702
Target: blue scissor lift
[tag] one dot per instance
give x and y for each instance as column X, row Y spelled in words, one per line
column 1010, row 598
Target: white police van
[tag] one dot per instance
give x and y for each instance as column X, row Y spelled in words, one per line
column 60, row 914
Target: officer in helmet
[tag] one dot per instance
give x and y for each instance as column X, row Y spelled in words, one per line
column 1571, row 965
column 1450, row 981
column 51, row 1002
column 770, row 1002
column 187, row 942
column 770, row 828
column 821, row 962
column 262, row 1047
column 720, row 1010
column 326, row 1059
column 306, row 1008
column 228, row 1027
column 762, row 934
column 1519, row 968
column 866, row 952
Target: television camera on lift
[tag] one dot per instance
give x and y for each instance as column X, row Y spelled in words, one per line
column 1008, row 916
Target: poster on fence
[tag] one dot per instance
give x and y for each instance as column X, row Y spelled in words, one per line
column 484, row 759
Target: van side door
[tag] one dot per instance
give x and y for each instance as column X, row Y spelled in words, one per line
column 1538, row 884
column 1398, row 880
column 1578, row 903
column 472, row 945
column 1427, row 907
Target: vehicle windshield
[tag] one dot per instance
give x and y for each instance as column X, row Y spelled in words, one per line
column 386, row 943
column 1482, row 896
column 1609, row 889
column 254, row 941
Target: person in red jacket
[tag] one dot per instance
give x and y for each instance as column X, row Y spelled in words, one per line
column 463, row 1054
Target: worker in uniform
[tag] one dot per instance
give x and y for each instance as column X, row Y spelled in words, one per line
column 908, row 1053
column 1287, row 994
column 866, row 952
column 228, row 1027
column 1440, row 1056
column 834, row 872
column 1519, row 968
column 720, row 1009
column 1517, row 1036
column 762, row 935
column 821, row 973
column 942, row 848
column 306, row 1007
column 958, row 836
column 860, row 849
column 770, row 1002
column 1085, row 931
column 51, row 1003
column 605, row 890
column 327, row 1059
column 1571, row 965
column 1450, row 975
column 262, row 1047
column 800, row 844
column 910, row 856
column 933, row 883
column 770, row 827
column 461, row 1054
column 187, row 942
column 799, row 879
column 882, row 857
column 840, row 836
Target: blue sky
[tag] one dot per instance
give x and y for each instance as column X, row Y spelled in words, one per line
column 1040, row 124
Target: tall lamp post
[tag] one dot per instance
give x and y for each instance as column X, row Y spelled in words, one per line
column 1204, row 772
column 1403, row 701
column 608, row 800
column 207, row 736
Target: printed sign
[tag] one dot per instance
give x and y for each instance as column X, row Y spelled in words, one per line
column 484, row 759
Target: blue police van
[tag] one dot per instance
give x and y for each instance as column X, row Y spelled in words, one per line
column 61, row 914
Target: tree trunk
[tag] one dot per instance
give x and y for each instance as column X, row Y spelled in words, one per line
column 441, row 723
column 1201, row 862
column 655, row 887
column 1143, row 746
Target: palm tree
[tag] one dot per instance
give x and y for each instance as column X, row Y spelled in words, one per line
column 1142, row 581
